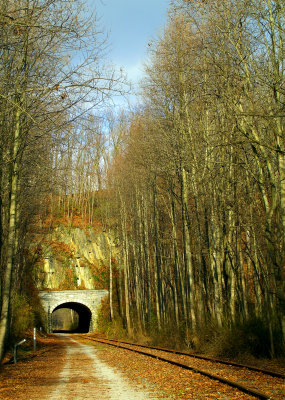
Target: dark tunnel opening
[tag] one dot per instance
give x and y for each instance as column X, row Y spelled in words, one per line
column 71, row 318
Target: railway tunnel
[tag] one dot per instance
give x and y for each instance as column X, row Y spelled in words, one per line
column 78, row 309
column 71, row 317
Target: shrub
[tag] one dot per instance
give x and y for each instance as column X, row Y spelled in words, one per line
column 26, row 312
column 112, row 329
column 250, row 337
column 23, row 317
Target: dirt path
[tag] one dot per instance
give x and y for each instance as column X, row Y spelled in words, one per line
column 69, row 371
column 85, row 376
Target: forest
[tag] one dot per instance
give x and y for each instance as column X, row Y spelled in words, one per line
column 190, row 182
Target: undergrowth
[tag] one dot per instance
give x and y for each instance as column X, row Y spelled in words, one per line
column 248, row 338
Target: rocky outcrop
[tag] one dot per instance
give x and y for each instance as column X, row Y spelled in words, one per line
column 73, row 258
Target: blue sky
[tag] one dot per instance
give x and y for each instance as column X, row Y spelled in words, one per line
column 131, row 25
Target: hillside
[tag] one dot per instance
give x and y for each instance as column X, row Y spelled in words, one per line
column 74, row 258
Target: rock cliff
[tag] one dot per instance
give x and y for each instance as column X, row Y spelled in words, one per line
column 73, row 258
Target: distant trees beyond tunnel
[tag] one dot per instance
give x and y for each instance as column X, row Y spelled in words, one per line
column 71, row 318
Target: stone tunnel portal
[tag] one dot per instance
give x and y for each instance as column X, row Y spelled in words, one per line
column 85, row 303
column 71, row 317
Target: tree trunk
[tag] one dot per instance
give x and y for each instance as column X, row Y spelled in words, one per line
column 126, row 267
column 11, row 231
column 111, row 281
column 157, row 260
column 190, row 288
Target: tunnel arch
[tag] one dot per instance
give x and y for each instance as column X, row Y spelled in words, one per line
column 84, row 316
column 91, row 298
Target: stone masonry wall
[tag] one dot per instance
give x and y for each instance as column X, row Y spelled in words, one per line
column 90, row 298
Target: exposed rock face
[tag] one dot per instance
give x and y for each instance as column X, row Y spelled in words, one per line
column 74, row 258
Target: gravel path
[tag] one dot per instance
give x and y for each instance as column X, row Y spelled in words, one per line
column 85, row 376
column 65, row 369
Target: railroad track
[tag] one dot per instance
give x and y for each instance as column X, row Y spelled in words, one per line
column 242, row 377
column 200, row 357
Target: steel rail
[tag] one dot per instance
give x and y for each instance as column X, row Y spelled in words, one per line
column 216, row 360
column 242, row 388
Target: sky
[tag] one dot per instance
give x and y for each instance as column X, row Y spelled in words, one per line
column 131, row 25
